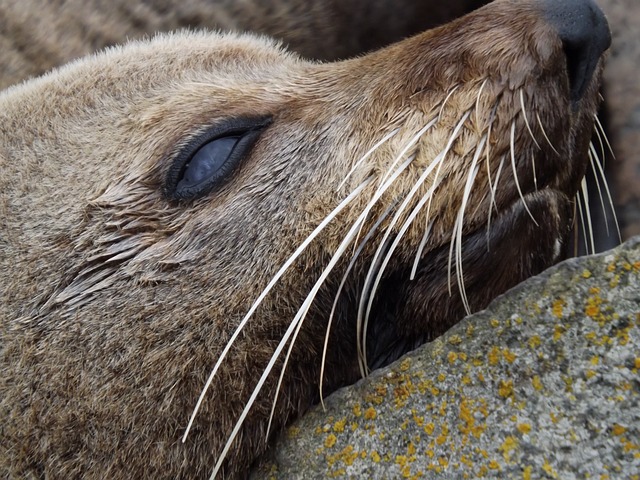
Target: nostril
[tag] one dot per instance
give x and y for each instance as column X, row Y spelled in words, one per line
column 585, row 36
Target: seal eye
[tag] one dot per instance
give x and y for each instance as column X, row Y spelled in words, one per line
column 210, row 158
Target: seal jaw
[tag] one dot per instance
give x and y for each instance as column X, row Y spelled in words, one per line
column 494, row 259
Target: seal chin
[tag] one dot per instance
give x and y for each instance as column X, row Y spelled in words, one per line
column 520, row 241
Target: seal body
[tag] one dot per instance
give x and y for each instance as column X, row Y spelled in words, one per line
column 387, row 194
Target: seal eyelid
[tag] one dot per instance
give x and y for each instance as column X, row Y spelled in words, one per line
column 209, row 159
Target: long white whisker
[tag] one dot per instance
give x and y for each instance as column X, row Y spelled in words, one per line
column 302, row 314
column 492, row 201
column 583, row 223
column 423, row 243
column 526, row 121
column 409, row 145
column 436, row 162
column 608, row 192
column 544, row 134
column 484, row 83
column 344, row 203
column 354, row 258
column 367, row 155
column 603, row 153
column 293, row 327
column 592, row 160
column 515, row 172
column 604, row 135
column 377, row 195
column 473, row 171
column 446, row 99
column 405, row 226
column 587, row 214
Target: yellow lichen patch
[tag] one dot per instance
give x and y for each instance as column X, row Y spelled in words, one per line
column 401, row 394
column 536, row 382
column 505, row 388
column 452, row 357
column 441, row 377
column 455, row 340
column 429, row 428
column 375, row 456
column 330, row 441
column 526, row 472
column 568, row 383
column 346, row 456
column 623, row 335
column 589, row 374
column 615, row 281
column 494, row 356
column 339, row 425
column 471, row 329
column 524, row 428
column 611, row 267
column 535, row 342
column 618, row 429
column 558, row 331
column 357, row 410
column 636, row 363
column 466, row 380
column 466, row 415
column 411, row 449
column 444, row 434
column 586, row 273
column 593, row 307
column 494, row 465
column 558, row 307
column 418, row 419
column 595, row 360
column 549, row 470
column 293, row 432
column 508, row 446
column 370, row 413
column 508, row 355
column 405, row 364
column 495, row 323
column 443, row 408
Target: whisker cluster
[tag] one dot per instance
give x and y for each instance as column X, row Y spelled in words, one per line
column 399, row 216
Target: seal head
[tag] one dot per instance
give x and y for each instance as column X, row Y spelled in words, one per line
column 204, row 200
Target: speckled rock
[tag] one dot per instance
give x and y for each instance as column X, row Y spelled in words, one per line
column 545, row 383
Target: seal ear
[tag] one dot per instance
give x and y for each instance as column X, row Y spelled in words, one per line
column 209, row 159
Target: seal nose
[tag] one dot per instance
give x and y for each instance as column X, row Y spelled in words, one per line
column 585, row 35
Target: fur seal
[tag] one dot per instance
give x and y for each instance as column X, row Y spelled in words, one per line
column 206, row 200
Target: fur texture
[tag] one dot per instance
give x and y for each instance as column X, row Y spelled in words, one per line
column 116, row 301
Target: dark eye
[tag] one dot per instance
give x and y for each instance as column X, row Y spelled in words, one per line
column 209, row 159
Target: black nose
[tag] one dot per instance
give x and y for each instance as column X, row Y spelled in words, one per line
column 585, row 36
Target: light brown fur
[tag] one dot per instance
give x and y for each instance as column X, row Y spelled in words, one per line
column 116, row 301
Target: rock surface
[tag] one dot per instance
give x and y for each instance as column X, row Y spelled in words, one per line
column 545, row 383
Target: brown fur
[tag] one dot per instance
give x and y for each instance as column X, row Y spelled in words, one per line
column 116, row 301
column 38, row 35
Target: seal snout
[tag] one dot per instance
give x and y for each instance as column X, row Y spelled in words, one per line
column 585, row 36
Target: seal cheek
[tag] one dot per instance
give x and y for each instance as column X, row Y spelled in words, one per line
column 209, row 160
